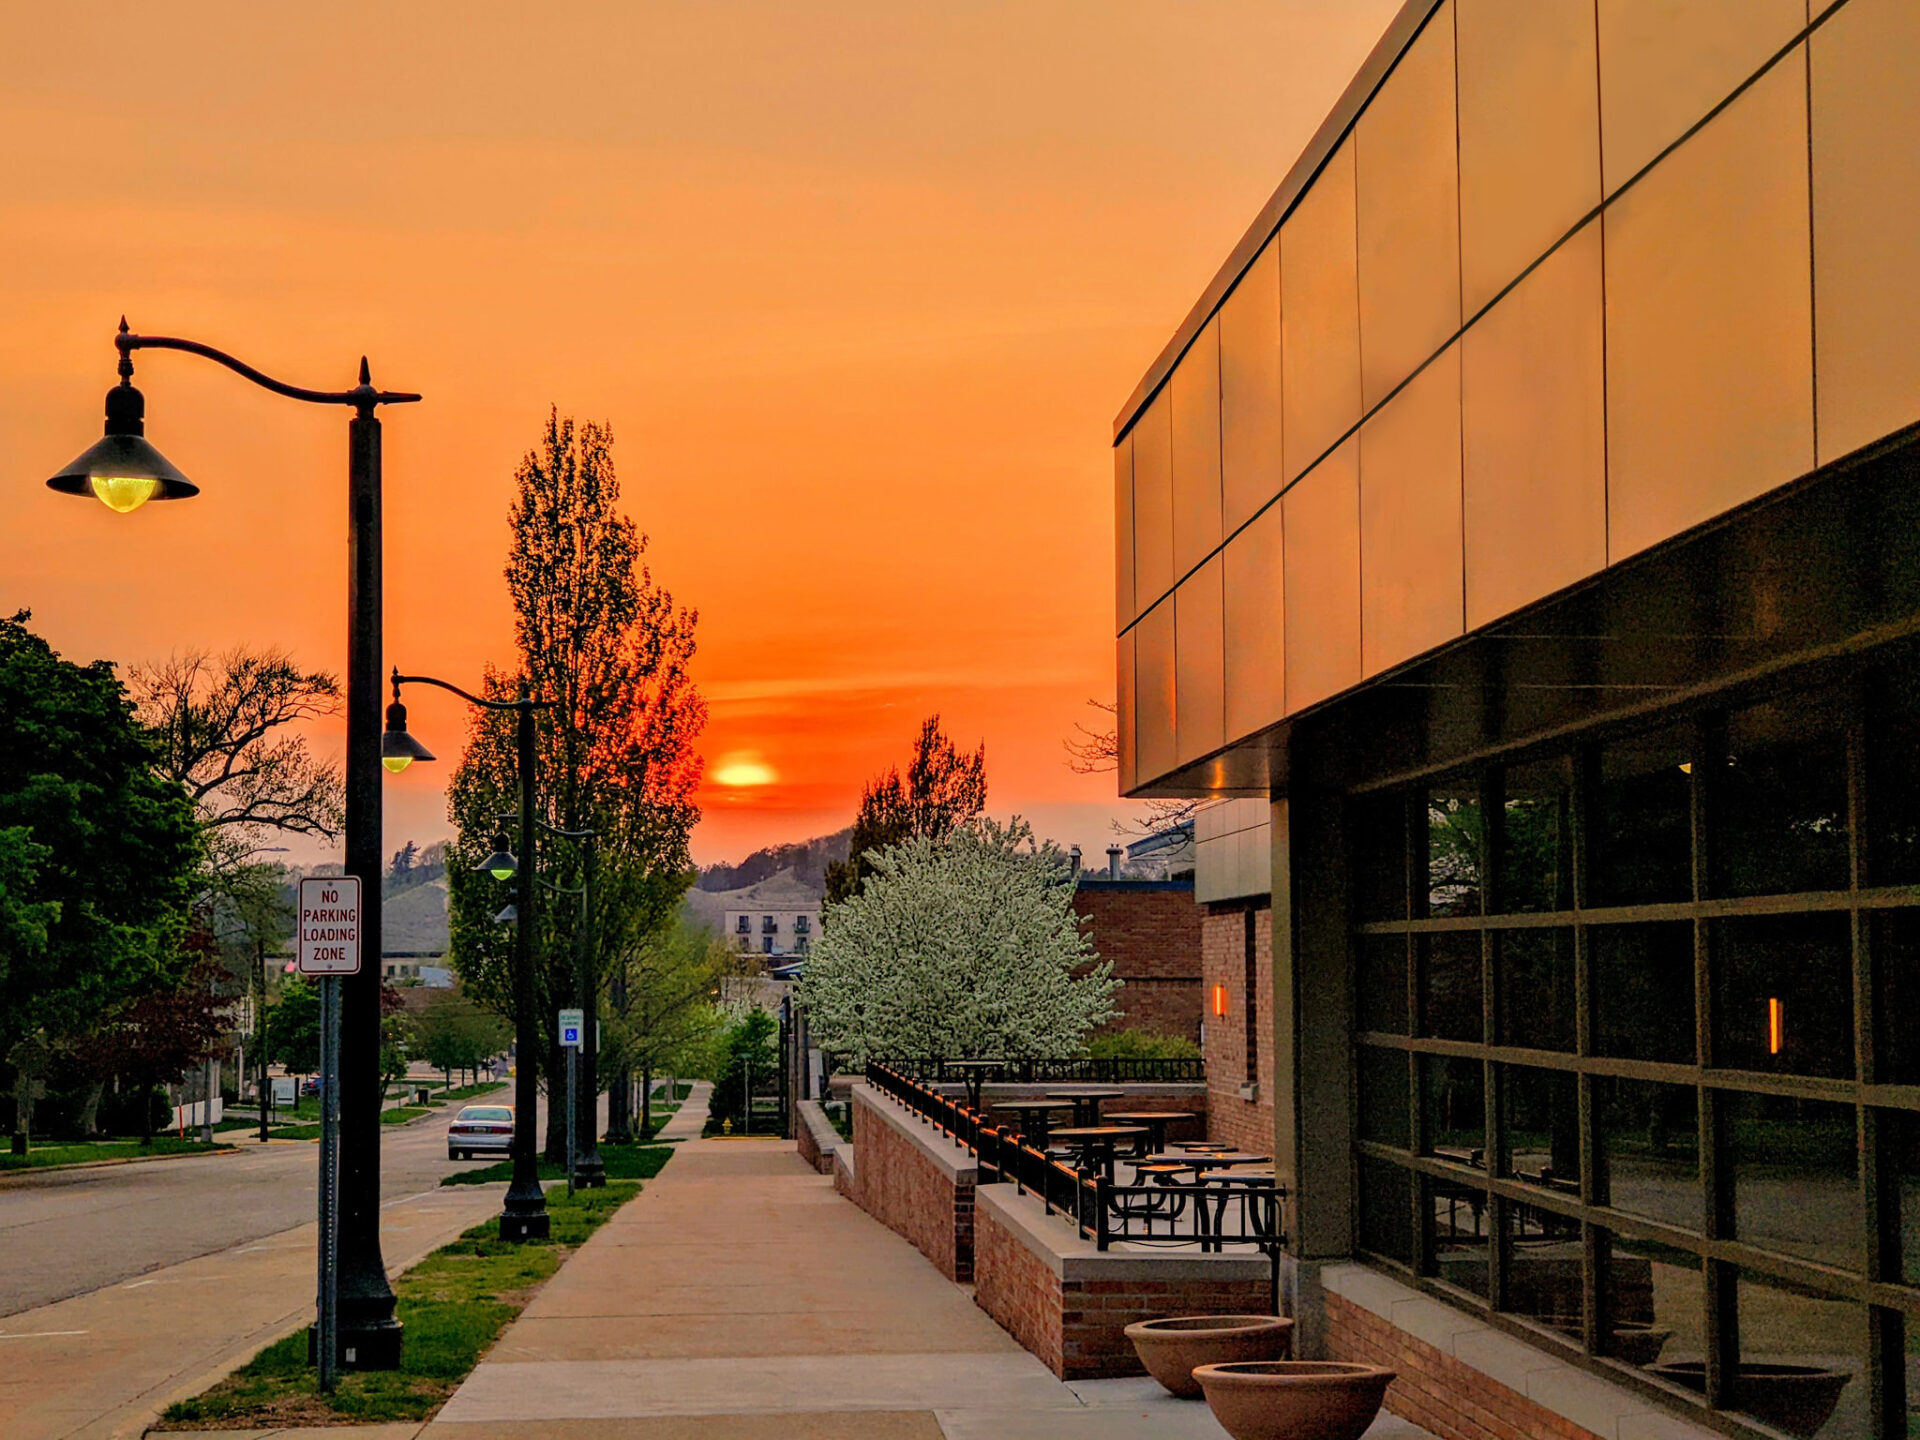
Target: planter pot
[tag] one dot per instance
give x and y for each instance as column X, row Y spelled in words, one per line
column 1798, row 1399
column 1170, row 1347
column 1640, row 1344
column 1294, row 1399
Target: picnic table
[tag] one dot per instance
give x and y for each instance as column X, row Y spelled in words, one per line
column 1086, row 1101
column 1204, row 1147
column 1033, row 1117
column 975, row 1074
column 1094, row 1144
column 1156, row 1122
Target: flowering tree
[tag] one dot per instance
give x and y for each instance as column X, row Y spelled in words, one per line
column 962, row 945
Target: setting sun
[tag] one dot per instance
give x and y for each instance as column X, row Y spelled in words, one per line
column 741, row 769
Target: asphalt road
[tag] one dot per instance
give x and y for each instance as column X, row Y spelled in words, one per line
column 72, row 1232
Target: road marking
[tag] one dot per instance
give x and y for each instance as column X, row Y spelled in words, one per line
column 404, row 1198
column 42, row 1334
column 138, row 1283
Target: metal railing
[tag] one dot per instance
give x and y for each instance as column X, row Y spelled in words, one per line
column 1212, row 1215
column 1080, row 1071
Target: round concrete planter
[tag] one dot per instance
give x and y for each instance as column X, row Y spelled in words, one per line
column 1294, row 1399
column 1798, row 1399
column 1171, row 1346
column 1640, row 1344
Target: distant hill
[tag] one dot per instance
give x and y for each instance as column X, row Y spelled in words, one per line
column 807, row 859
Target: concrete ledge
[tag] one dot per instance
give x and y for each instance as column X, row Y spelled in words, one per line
column 1569, row 1392
column 818, row 1140
column 955, row 1160
column 1053, row 1241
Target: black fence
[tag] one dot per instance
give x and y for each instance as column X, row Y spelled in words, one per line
column 1058, row 1072
column 1211, row 1216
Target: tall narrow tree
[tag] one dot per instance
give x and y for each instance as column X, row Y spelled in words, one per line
column 942, row 789
column 608, row 649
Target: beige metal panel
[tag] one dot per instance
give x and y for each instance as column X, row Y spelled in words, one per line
column 1406, row 156
column 1153, row 693
column 1529, row 134
column 1709, row 323
column 1199, row 687
column 1125, row 726
column 1195, row 388
column 1320, row 521
column 1250, row 456
column 1320, row 316
column 1410, row 552
column 1152, row 503
column 1256, row 629
column 1123, row 533
column 1665, row 63
column 1866, row 214
column 1534, row 418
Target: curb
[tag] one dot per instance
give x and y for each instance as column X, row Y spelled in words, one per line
column 13, row 1178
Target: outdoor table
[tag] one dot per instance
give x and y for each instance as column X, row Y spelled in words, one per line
column 1032, row 1130
column 975, row 1074
column 1095, row 1143
column 1222, row 1160
column 1086, row 1101
column 1156, row 1122
column 1214, row 1192
column 1205, row 1147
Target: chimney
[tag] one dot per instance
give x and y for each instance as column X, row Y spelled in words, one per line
column 1114, row 852
column 1073, row 857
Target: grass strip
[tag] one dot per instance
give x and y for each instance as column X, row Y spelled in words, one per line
column 89, row 1152
column 623, row 1162
column 454, row 1305
column 400, row 1114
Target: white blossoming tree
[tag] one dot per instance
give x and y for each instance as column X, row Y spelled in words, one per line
column 963, row 945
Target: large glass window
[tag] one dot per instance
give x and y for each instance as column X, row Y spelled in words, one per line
column 1654, row 1008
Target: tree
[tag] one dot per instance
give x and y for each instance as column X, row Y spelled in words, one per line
column 97, row 851
column 965, row 945
column 1097, row 752
column 293, row 1028
column 751, row 1059
column 942, row 789
column 221, row 727
column 661, row 1015
column 454, row 1034
column 154, row 1037
column 608, row 648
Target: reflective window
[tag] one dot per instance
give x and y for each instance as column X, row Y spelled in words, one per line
column 1893, row 776
column 1796, row 1177
column 1780, row 800
column 1383, row 983
column 1379, row 831
column 1896, row 969
column 1642, row 819
column 1540, row 1115
column 1543, row 1267
column 1643, row 991
column 1649, row 1145
column 1900, row 1180
column 1450, row 985
column 1384, row 1108
column 1803, row 1360
column 1783, row 994
column 1536, row 842
column 1453, row 1094
column 1656, row 1304
column 1536, row 988
column 1456, row 844
column 1457, row 1212
column 1386, row 1210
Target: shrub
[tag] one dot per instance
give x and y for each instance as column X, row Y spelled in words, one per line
column 1141, row 1045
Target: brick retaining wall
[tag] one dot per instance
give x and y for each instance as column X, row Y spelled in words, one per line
column 915, row 1181
column 1069, row 1303
column 813, row 1132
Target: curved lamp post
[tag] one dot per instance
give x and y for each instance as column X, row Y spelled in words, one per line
column 524, row 1215
column 124, row 471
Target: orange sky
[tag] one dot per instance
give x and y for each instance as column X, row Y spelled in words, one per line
column 859, row 287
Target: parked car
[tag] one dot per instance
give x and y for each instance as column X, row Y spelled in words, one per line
column 480, row 1130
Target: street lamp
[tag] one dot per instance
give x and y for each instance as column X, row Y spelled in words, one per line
column 524, row 1215
column 124, row 471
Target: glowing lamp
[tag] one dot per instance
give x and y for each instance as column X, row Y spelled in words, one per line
column 1219, row 999
column 398, row 749
column 122, row 470
column 500, row 864
column 1776, row 1025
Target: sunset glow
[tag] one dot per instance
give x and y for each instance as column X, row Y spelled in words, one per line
column 859, row 289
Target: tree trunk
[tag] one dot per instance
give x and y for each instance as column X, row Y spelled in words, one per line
column 90, row 1110
column 646, row 1101
column 556, row 1145
column 620, row 1107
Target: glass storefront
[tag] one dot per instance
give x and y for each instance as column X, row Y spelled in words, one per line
column 1638, row 1053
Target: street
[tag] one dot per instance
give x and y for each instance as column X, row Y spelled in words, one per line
column 128, row 1286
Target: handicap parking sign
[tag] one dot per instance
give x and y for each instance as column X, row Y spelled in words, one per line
column 572, row 1022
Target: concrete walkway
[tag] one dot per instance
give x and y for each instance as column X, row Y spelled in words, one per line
column 740, row 1298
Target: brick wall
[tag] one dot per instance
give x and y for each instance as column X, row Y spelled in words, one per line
column 915, row 1182
column 1246, row 1123
column 1150, row 931
column 1436, row 1391
column 1070, row 1305
column 813, row 1132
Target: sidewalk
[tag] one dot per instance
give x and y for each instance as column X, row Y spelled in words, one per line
column 740, row 1298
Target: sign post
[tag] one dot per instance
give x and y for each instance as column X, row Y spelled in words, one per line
column 572, row 1024
column 329, row 947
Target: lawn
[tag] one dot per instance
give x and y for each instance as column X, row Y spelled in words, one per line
column 454, row 1304
column 623, row 1162
column 88, row 1151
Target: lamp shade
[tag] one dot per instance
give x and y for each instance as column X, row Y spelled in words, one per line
column 122, row 469
column 500, row 864
column 398, row 749
column 510, row 915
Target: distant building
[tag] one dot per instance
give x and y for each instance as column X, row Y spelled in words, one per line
column 1149, row 930
column 779, row 916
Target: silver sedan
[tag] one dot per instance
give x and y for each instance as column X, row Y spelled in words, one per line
column 480, row 1129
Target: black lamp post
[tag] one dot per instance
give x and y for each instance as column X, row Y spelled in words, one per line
column 124, row 471
column 524, row 1215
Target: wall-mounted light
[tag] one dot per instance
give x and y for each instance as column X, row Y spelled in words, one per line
column 1219, row 999
column 1776, row 1025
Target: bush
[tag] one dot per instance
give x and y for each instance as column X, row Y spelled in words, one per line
column 1141, row 1045
column 120, row 1111
column 752, row 1056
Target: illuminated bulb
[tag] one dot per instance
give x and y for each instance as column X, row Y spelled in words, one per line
column 1219, row 999
column 124, row 494
column 396, row 763
column 1776, row 1025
